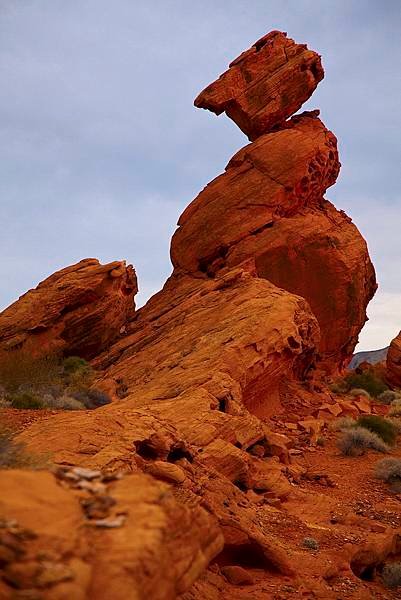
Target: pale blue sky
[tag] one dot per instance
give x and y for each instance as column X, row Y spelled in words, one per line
column 101, row 148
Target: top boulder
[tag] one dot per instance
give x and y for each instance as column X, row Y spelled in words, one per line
column 265, row 85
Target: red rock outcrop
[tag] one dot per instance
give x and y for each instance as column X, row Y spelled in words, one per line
column 393, row 362
column 213, row 378
column 78, row 310
column 265, row 85
column 268, row 209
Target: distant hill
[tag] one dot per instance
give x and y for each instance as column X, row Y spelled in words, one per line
column 370, row 356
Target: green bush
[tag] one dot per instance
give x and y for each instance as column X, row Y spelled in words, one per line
column 356, row 440
column 391, row 575
column 367, row 381
column 384, row 428
column 25, row 400
column 74, row 364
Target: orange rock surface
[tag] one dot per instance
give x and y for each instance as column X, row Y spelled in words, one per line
column 393, row 361
column 76, row 311
column 265, row 85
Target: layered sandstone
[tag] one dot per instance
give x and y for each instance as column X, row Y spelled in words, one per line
column 393, row 362
column 265, row 85
column 78, row 310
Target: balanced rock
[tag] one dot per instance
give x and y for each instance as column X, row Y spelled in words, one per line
column 264, row 85
column 76, row 311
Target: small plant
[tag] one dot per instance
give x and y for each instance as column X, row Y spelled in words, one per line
column 395, row 409
column 92, row 398
column 320, row 441
column 388, row 470
column 342, row 423
column 356, row 440
column 64, row 403
column 367, row 381
column 310, row 543
column 25, row 400
column 339, row 387
column 13, row 454
column 360, row 392
column 72, row 364
column 384, row 428
column 391, row 575
column 389, row 396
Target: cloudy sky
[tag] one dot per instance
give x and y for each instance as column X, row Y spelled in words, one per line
column 101, row 147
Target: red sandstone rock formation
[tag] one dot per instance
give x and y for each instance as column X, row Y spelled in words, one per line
column 265, row 85
column 78, row 310
column 393, row 362
column 210, row 380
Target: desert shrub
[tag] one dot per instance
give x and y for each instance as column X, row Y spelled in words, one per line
column 4, row 403
column 391, row 574
column 75, row 364
column 25, row 400
column 388, row 470
column 384, row 428
column 310, row 543
column 63, row 403
column 395, row 409
column 92, row 398
column 342, row 423
column 359, row 392
column 389, row 396
column 367, row 381
column 356, row 440
column 13, row 454
column 339, row 387
column 20, row 371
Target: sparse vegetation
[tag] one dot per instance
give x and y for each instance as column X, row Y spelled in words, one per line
column 384, row 428
column 389, row 396
column 25, row 400
column 310, row 543
column 395, row 409
column 368, row 381
column 13, row 455
column 342, row 423
column 51, row 382
column 391, row 575
column 388, row 470
column 356, row 440
column 360, row 392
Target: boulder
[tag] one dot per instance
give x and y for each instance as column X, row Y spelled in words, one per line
column 265, row 84
column 76, row 311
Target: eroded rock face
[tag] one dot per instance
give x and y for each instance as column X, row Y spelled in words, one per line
column 76, row 311
column 265, row 85
column 393, row 362
column 52, row 549
column 268, row 210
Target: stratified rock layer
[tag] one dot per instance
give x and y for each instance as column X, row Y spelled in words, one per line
column 393, row 361
column 268, row 209
column 265, row 85
column 78, row 310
